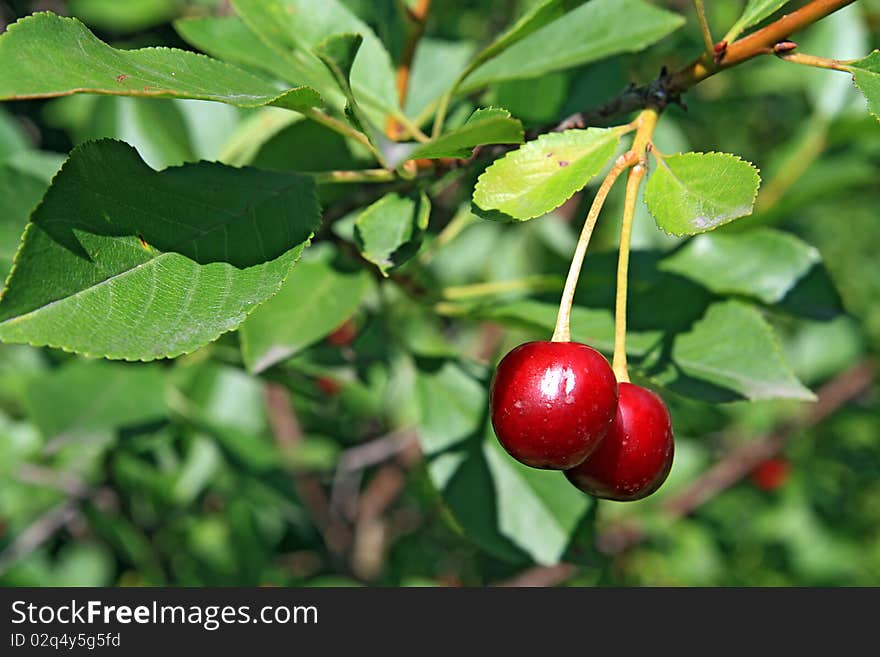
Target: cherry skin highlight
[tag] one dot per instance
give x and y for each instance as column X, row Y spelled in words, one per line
column 635, row 457
column 552, row 403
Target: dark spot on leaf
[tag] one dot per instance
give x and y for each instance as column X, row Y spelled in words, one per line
column 121, row 78
column 550, row 154
column 563, row 163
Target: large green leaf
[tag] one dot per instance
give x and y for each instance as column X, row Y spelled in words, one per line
column 595, row 30
column 390, row 231
column 45, row 55
column 315, row 299
column 93, row 395
column 866, row 75
column 754, row 13
column 435, row 67
column 123, row 262
column 541, row 175
column 733, row 347
column 229, row 39
column 541, row 14
column 294, row 27
column 485, row 126
column 124, row 16
column 516, row 512
column 692, row 193
column 452, row 405
column 19, row 194
column 764, row 263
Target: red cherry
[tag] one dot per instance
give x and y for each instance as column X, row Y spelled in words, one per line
column 552, row 402
column 635, row 457
column 343, row 334
column 328, row 386
column 770, row 474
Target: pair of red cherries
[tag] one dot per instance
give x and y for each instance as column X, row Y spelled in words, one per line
column 558, row 406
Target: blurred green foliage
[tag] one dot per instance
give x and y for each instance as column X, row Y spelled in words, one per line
column 197, row 472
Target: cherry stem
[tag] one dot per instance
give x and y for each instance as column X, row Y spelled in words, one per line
column 647, row 124
column 562, row 332
column 814, row 61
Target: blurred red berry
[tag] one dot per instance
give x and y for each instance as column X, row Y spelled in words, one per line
column 328, row 386
column 770, row 474
column 343, row 334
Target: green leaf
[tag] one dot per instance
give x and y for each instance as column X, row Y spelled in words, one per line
column 754, row 13
column 435, row 67
column 338, row 53
column 229, row 39
column 516, row 512
column 45, row 55
column 123, row 262
column 452, row 405
column 230, row 405
column 19, row 195
column 292, row 28
column 390, row 231
column 593, row 31
column 692, row 193
column 733, row 347
column 315, row 299
column 485, row 126
column 533, row 20
column 124, row 16
column 12, row 139
column 866, row 75
column 763, row 263
column 93, row 395
column 544, row 173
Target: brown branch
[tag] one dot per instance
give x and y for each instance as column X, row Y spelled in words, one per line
column 743, row 460
column 668, row 88
column 540, row 576
column 417, row 17
column 288, row 434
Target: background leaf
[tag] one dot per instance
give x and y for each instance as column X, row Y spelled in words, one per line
column 292, row 28
column 19, row 195
column 764, row 263
column 595, row 30
column 100, row 267
column 315, row 299
column 693, row 193
column 46, row 55
column 389, row 232
column 92, row 395
column 754, row 12
column 511, row 510
column 544, row 173
column 485, row 126
column 866, row 74
column 734, row 348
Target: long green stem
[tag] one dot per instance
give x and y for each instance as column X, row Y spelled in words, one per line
column 629, row 210
column 647, row 124
column 704, row 27
column 360, row 176
column 476, row 290
column 562, row 331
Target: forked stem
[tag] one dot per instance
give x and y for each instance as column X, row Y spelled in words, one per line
column 562, row 332
column 633, row 182
column 647, row 124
